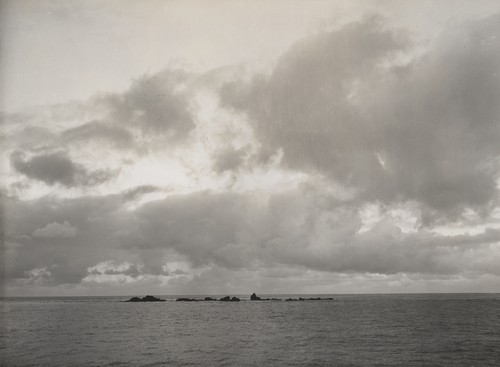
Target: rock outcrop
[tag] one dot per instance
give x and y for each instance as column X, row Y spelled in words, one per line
column 254, row 297
column 208, row 299
column 229, row 299
column 145, row 299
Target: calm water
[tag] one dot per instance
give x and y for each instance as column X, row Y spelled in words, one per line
column 367, row 330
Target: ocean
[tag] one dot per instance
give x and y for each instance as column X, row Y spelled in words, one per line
column 354, row 330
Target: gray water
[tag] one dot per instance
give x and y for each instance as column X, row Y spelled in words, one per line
column 361, row 330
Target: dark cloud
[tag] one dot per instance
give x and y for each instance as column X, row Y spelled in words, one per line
column 229, row 159
column 299, row 229
column 155, row 104
column 34, row 137
column 154, row 114
column 57, row 168
column 343, row 104
column 102, row 223
column 66, row 258
column 98, row 130
column 137, row 192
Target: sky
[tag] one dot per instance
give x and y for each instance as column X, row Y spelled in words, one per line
column 231, row 147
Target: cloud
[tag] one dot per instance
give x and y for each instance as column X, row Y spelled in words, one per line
column 38, row 276
column 67, row 258
column 98, row 130
column 298, row 231
column 156, row 104
column 137, row 192
column 153, row 115
column 353, row 117
column 361, row 106
column 55, row 229
column 229, row 159
column 57, row 168
column 33, row 137
column 112, row 268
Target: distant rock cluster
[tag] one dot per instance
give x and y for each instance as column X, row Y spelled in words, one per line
column 253, row 297
column 145, row 299
column 185, row 299
column 229, row 299
column 223, row 299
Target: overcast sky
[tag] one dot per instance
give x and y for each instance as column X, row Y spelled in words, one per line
column 230, row 147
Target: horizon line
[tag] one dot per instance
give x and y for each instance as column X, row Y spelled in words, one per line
column 240, row 294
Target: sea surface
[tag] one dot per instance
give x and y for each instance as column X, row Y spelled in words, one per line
column 354, row 330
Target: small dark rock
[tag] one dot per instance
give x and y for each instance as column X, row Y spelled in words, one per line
column 210, row 299
column 254, row 297
column 186, row 299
